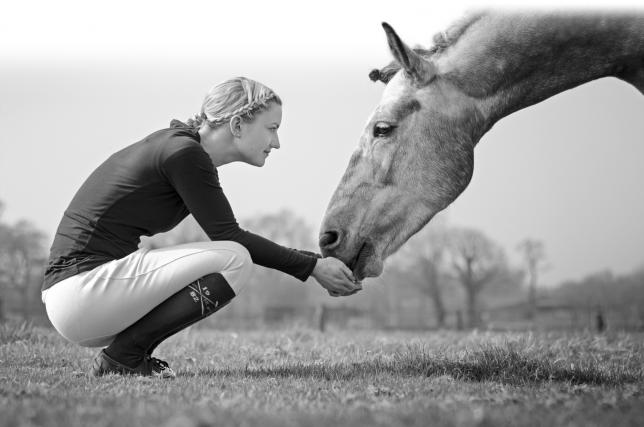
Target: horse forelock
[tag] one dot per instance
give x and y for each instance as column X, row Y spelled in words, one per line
column 386, row 73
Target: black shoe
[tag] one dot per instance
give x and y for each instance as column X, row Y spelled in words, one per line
column 149, row 367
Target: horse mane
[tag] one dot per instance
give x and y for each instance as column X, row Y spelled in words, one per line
column 441, row 40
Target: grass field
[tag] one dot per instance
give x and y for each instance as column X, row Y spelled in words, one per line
column 304, row 377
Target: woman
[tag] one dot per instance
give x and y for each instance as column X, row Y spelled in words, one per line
column 100, row 289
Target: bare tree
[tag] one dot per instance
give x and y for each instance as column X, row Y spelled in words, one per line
column 534, row 255
column 424, row 254
column 476, row 260
column 22, row 257
column 283, row 227
column 273, row 291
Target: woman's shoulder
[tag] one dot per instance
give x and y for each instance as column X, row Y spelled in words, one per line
column 179, row 131
column 175, row 139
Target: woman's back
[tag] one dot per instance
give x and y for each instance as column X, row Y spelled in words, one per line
column 127, row 196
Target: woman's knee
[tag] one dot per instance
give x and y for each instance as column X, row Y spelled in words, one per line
column 240, row 267
column 240, row 250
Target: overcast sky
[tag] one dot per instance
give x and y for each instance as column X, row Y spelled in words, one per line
column 79, row 81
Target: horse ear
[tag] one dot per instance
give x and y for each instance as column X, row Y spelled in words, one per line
column 420, row 69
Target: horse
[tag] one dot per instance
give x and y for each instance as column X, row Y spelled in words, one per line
column 416, row 153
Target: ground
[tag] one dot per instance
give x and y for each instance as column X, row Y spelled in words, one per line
column 358, row 378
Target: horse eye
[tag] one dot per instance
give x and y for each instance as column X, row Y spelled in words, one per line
column 382, row 129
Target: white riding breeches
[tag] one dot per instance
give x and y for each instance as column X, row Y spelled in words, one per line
column 92, row 307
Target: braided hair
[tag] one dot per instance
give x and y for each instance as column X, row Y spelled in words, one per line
column 239, row 96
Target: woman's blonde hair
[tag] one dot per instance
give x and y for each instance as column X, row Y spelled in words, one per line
column 239, row 96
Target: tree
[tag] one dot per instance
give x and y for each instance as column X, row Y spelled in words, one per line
column 275, row 295
column 283, row 227
column 475, row 260
column 424, row 255
column 22, row 257
column 534, row 255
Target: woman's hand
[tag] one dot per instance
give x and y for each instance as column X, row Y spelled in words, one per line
column 335, row 277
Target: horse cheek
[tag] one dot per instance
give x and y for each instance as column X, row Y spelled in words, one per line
column 382, row 166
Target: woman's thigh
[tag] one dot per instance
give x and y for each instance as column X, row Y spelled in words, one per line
column 92, row 307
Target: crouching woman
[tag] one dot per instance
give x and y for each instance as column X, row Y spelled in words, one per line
column 101, row 290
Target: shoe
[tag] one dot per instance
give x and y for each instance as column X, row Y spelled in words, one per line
column 149, row 367
column 160, row 368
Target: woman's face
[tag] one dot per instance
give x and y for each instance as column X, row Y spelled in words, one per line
column 258, row 137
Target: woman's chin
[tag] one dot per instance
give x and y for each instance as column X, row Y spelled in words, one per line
column 255, row 162
column 260, row 160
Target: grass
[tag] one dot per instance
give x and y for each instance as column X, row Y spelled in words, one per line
column 304, row 377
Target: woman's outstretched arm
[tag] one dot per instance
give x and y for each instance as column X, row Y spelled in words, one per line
column 191, row 172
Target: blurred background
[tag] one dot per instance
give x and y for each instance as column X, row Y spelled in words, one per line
column 553, row 215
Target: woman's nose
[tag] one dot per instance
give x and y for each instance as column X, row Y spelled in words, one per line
column 276, row 142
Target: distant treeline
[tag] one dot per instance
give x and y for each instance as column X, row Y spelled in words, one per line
column 444, row 277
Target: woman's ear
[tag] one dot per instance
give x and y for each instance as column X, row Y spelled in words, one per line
column 235, row 126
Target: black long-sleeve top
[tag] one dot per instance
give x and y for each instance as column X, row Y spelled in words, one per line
column 148, row 188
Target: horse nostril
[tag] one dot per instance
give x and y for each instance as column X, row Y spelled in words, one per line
column 329, row 239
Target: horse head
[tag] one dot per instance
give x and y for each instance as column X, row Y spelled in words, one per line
column 415, row 156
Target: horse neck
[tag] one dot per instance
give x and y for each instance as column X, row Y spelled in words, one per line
column 507, row 62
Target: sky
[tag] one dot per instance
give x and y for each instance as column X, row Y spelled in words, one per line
column 79, row 81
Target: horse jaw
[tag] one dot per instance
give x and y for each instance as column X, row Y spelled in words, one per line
column 383, row 229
